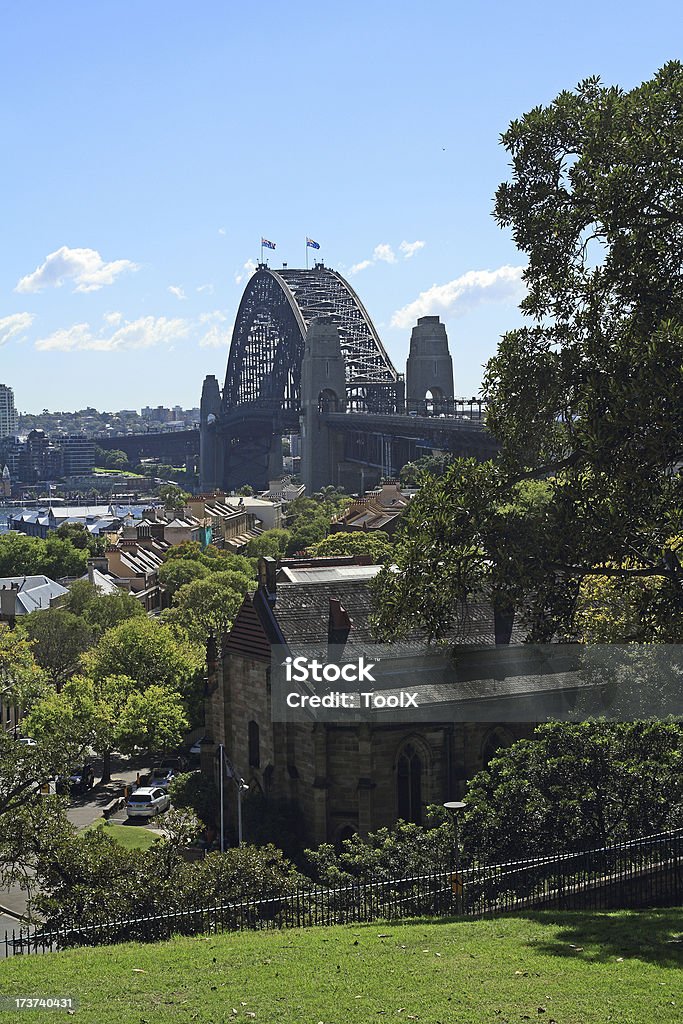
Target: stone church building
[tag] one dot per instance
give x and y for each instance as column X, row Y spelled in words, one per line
column 343, row 778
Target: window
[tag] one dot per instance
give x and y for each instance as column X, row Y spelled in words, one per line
column 254, row 745
column 409, row 784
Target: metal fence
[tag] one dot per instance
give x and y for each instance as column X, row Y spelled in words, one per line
column 638, row 873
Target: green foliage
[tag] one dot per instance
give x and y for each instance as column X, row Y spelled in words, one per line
column 576, row 786
column 91, row 877
column 177, row 572
column 111, row 459
column 29, row 822
column 148, row 652
column 81, row 538
column 589, row 394
column 375, row 543
column 195, row 791
column 270, row 544
column 402, row 850
column 77, row 711
column 308, row 519
column 247, row 491
column 31, row 556
column 59, row 639
column 21, row 555
column 153, row 720
column 213, row 559
column 208, row 605
column 413, row 473
column 173, row 496
column 241, row 872
column 21, row 678
column 101, row 611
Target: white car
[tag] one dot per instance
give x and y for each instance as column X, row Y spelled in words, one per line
column 147, row 802
column 27, row 741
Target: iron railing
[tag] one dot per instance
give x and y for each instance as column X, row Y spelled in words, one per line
column 637, row 873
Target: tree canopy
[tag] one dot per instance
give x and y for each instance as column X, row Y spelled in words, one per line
column 147, row 652
column 571, row 787
column 374, row 543
column 588, row 395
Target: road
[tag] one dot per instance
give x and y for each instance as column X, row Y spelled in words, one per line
column 83, row 811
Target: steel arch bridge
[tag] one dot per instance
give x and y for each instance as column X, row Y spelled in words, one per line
column 263, row 395
column 277, row 308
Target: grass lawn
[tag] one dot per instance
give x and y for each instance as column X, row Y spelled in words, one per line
column 133, row 837
column 572, row 968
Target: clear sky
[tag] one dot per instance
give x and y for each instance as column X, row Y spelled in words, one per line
column 149, row 144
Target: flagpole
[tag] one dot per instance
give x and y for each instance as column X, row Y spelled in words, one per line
column 261, row 248
column 307, row 253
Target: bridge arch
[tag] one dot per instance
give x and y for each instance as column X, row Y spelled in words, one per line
column 276, row 310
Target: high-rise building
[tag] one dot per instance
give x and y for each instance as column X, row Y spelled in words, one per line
column 9, row 421
column 78, row 452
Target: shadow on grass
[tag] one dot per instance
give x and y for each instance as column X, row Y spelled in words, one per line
column 653, row 936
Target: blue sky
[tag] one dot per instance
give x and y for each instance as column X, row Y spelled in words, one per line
column 149, row 145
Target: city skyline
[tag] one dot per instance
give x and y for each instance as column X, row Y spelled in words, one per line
column 150, row 154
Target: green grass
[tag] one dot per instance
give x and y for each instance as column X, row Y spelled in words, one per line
column 133, row 837
column 571, row 968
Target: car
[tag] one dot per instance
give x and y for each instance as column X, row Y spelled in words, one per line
column 147, row 802
column 81, row 779
column 27, row 741
column 162, row 776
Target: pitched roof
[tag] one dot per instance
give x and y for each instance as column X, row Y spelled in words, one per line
column 300, row 613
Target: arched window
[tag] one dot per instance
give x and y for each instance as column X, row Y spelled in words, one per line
column 344, row 833
column 254, row 745
column 409, row 785
column 327, row 401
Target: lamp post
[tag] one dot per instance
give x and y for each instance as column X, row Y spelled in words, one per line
column 453, row 807
column 227, row 767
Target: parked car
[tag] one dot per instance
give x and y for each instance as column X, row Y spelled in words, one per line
column 147, row 802
column 162, row 776
column 27, row 741
column 81, row 779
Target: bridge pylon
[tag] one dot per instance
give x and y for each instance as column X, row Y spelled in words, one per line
column 429, row 367
column 323, row 390
column 210, row 472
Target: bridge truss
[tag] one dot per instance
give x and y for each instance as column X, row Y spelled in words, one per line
column 264, row 366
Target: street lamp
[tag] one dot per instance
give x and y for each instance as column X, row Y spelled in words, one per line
column 453, row 807
column 228, row 768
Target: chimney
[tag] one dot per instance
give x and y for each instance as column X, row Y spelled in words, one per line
column 503, row 621
column 339, row 624
column 267, row 578
column 100, row 563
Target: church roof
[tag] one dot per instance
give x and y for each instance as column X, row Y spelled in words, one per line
column 299, row 614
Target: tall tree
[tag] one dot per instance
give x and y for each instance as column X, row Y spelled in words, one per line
column 589, row 394
column 60, row 638
column 577, row 786
column 147, row 652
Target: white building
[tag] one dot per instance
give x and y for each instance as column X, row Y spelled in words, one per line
column 9, row 421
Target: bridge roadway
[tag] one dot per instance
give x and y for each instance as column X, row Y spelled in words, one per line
column 454, row 433
column 459, row 434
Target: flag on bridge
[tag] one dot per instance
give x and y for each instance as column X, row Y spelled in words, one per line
column 312, row 244
column 267, row 244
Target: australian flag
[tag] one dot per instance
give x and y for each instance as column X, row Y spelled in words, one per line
column 267, row 244
column 311, row 244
